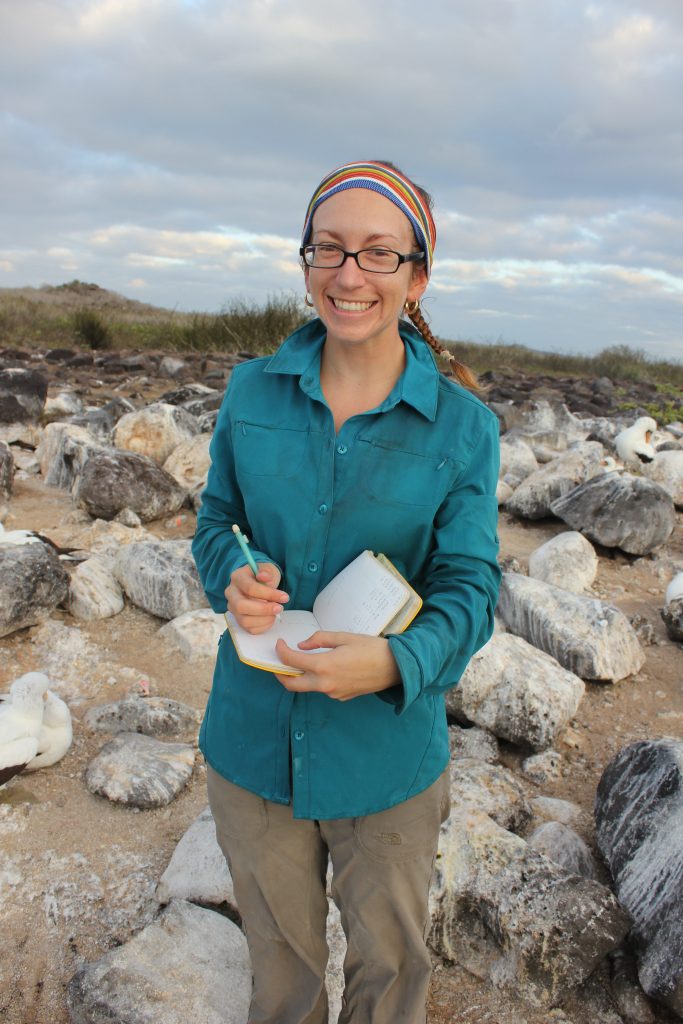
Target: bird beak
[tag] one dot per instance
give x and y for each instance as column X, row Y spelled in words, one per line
column 648, row 435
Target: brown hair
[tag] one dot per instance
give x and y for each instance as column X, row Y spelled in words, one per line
column 462, row 373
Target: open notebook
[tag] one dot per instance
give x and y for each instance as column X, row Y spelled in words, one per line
column 369, row 596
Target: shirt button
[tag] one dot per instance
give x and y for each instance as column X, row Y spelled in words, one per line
column 312, row 566
column 322, row 509
column 342, row 449
column 298, row 735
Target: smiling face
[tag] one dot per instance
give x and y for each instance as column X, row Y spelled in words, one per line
column 357, row 306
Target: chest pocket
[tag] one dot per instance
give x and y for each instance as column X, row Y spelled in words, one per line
column 268, row 451
column 400, row 478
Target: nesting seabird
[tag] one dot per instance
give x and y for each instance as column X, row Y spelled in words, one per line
column 633, row 444
column 21, row 718
column 674, row 592
column 55, row 736
column 17, row 538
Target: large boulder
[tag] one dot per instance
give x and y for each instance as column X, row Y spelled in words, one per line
column 639, row 830
column 590, row 638
column 108, row 481
column 534, row 497
column 32, row 583
column 190, row 964
column 512, row 917
column 22, row 395
column 619, row 510
column 517, row 692
column 155, row 431
column 161, row 577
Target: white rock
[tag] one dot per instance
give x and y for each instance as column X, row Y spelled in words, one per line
column 491, row 789
column 55, row 453
column 568, row 561
column 587, row 636
column 190, row 964
column 198, row 871
column 541, row 768
column 517, row 461
column 534, row 496
column 94, row 592
column 562, row 845
column 61, row 405
column 160, row 577
column 189, row 462
column 667, row 471
column 512, row 917
column 155, row 431
column 140, row 771
column 195, row 633
column 549, row 808
column 474, row 742
column 517, row 692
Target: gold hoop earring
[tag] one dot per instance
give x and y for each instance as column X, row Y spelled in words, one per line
column 412, row 307
column 308, row 300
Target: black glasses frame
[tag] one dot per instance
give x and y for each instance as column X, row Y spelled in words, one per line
column 411, row 257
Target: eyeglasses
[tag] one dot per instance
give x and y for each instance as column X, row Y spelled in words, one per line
column 376, row 261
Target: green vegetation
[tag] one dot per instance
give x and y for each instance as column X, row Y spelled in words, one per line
column 79, row 314
column 90, row 328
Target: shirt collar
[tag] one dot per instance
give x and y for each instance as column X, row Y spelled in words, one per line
column 418, row 385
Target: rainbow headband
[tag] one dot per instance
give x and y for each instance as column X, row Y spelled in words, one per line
column 387, row 182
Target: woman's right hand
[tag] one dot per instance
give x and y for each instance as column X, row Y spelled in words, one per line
column 255, row 601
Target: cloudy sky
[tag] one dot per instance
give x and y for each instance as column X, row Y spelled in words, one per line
column 167, row 149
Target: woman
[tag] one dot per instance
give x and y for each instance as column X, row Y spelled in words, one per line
column 347, row 438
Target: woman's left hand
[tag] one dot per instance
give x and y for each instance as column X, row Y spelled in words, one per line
column 355, row 665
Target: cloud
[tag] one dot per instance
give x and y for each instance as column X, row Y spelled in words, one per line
column 171, row 146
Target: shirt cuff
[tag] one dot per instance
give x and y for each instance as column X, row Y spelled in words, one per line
column 405, row 693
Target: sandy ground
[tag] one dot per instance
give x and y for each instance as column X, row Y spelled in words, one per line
column 77, row 873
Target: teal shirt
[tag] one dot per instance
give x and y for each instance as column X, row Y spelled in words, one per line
column 414, row 478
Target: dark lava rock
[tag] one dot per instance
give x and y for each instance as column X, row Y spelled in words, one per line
column 101, row 422
column 32, row 583
column 639, row 830
column 108, row 480
column 6, row 470
column 673, row 619
column 619, row 511
column 22, row 395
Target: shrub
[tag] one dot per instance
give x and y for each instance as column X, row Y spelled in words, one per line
column 90, row 328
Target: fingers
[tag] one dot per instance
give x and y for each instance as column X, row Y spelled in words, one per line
column 323, row 638
column 255, row 601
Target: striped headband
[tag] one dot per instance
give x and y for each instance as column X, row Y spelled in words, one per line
column 387, row 182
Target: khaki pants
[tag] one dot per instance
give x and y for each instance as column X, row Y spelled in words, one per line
column 382, row 868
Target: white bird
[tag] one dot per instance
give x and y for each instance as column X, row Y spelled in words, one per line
column 55, row 736
column 674, row 592
column 610, row 465
column 18, row 537
column 633, row 443
column 21, row 718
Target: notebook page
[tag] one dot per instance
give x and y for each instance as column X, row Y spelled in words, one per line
column 362, row 598
column 260, row 648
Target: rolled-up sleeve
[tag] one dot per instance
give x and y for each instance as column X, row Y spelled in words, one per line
column 462, row 578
